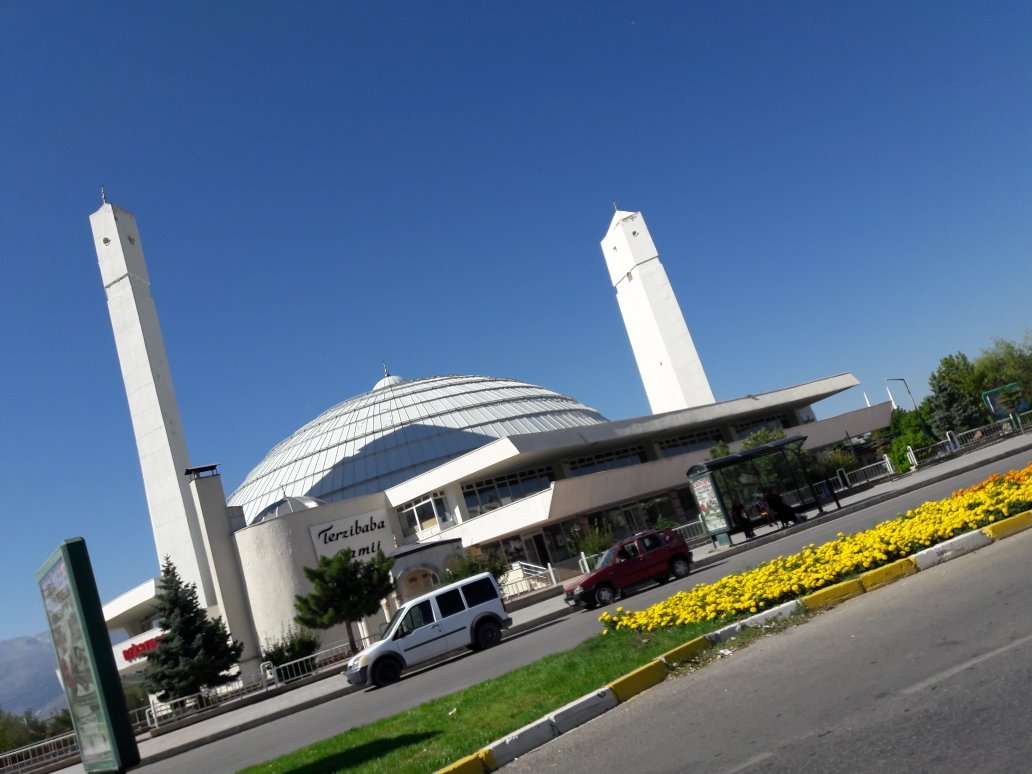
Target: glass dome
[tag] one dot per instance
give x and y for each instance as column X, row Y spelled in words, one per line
column 400, row 429
column 286, row 505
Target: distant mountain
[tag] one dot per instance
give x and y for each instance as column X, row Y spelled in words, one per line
column 28, row 676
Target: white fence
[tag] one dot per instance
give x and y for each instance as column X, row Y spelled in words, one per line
column 867, row 473
column 524, row 577
column 957, row 443
column 35, row 756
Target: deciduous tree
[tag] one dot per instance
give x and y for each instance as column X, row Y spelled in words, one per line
column 344, row 590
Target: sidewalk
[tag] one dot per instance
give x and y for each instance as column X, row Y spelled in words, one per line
column 278, row 705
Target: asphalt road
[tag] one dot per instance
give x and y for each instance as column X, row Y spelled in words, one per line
column 315, row 724
column 931, row 674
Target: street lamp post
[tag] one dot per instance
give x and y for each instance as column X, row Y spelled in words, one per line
column 900, row 379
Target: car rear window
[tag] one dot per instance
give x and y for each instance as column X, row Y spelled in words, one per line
column 479, row 591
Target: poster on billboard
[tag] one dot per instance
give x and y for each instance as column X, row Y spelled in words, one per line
column 85, row 662
column 712, row 512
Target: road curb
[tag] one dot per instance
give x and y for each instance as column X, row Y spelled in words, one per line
column 951, row 549
column 1008, row 527
column 833, row 595
column 888, row 573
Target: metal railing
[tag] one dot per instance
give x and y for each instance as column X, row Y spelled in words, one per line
column 163, row 712
column 957, row 443
column 320, row 661
column 867, row 473
column 524, row 577
column 40, row 754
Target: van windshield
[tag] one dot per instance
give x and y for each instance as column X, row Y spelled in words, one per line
column 386, row 628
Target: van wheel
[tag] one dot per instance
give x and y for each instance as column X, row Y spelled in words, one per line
column 604, row 594
column 489, row 634
column 385, row 672
column 680, row 567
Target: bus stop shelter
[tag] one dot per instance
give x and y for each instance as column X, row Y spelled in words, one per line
column 743, row 486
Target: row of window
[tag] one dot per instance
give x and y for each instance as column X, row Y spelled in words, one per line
column 682, row 444
column 619, row 458
column 489, row 494
column 449, row 603
column 774, row 421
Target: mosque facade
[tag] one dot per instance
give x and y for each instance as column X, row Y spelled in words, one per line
column 427, row 469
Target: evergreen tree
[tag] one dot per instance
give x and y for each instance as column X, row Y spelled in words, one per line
column 344, row 591
column 954, row 401
column 195, row 651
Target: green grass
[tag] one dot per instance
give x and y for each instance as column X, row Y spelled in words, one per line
column 441, row 731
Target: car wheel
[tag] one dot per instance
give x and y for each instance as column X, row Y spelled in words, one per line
column 604, row 595
column 680, row 567
column 385, row 672
column 489, row 634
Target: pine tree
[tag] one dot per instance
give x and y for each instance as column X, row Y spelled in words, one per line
column 195, row 651
column 345, row 590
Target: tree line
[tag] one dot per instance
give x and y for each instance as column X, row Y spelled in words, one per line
column 955, row 402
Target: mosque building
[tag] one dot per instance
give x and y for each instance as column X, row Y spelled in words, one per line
column 428, row 468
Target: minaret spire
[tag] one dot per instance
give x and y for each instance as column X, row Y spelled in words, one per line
column 667, row 360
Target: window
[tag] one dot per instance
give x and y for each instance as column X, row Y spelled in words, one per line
column 424, row 513
column 484, row 496
column 450, row 603
column 620, row 458
column 682, row 444
column 651, row 542
column 416, row 618
column 479, row 591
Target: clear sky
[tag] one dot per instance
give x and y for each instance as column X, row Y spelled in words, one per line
column 321, row 187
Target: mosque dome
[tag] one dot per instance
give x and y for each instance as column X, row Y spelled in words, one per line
column 398, row 430
column 287, row 505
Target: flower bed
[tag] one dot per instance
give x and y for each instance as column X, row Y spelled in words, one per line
column 815, row 567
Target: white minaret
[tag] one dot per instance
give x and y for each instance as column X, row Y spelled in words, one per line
column 669, row 365
column 152, row 401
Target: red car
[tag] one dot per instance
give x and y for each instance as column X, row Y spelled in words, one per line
column 648, row 557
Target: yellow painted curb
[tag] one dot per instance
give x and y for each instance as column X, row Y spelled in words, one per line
column 685, row 652
column 832, row 595
column 480, row 762
column 641, row 679
column 887, row 574
column 1010, row 526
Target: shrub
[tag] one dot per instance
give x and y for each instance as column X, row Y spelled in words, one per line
column 474, row 564
column 295, row 643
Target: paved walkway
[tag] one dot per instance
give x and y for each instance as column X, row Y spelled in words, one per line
column 278, row 705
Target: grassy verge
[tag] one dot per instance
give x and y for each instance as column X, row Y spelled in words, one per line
column 441, row 731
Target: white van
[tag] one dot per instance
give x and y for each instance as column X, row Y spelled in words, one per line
column 469, row 613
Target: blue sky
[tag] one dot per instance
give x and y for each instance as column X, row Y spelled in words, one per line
column 321, row 187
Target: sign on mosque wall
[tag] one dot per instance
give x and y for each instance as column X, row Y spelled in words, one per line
column 364, row 535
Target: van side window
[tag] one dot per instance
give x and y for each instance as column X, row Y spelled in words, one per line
column 478, row 592
column 450, row 603
column 416, row 618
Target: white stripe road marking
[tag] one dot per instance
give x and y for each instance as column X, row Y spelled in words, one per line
column 966, row 665
column 751, row 762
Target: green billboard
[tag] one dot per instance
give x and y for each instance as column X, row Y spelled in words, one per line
column 85, row 661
